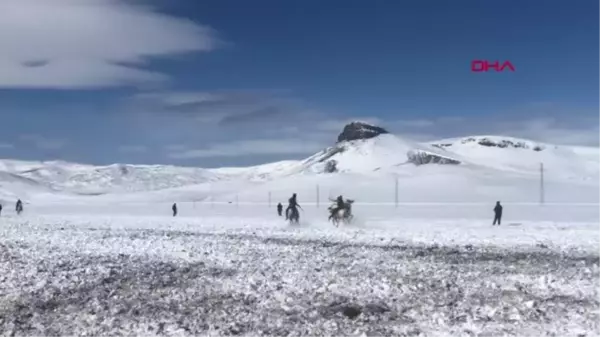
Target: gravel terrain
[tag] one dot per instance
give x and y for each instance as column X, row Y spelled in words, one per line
column 57, row 280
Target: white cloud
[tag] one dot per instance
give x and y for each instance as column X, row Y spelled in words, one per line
column 133, row 149
column 89, row 43
column 182, row 98
column 42, row 142
column 252, row 147
column 6, row 146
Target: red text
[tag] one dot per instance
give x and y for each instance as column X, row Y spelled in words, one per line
column 483, row 65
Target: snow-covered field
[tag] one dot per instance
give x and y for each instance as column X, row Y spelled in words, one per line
column 97, row 252
column 430, row 270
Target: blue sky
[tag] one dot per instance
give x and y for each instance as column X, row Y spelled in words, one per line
column 219, row 82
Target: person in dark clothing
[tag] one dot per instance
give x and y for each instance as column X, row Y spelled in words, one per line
column 293, row 203
column 279, row 209
column 339, row 201
column 174, row 208
column 339, row 205
column 19, row 206
column 497, row 213
column 0, row 209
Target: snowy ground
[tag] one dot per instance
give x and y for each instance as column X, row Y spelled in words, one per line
column 434, row 270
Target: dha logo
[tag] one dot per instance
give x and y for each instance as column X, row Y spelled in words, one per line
column 484, row 66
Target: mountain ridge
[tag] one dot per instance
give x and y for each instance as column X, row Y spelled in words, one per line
column 370, row 157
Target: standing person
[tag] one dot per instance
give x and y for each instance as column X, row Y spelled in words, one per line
column 0, row 209
column 279, row 208
column 19, row 206
column 497, row 213
column 174, row 208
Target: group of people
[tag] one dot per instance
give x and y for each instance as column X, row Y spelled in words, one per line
column 340, row 204
column 293, row 204
column 18, row 207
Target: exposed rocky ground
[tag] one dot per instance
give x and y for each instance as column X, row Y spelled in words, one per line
column 423, row 157
column 241, row 284
column 359, row 130
column 501, row 143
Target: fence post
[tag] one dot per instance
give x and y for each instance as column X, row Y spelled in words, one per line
column 318, row 201
column 396, row 192
column 542, row 183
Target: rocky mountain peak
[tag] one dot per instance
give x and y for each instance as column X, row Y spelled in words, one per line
column 360, row 130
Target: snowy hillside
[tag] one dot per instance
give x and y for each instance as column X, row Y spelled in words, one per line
column 383, row 152
column 524, row 156
column 365, row 162
column 87, row 179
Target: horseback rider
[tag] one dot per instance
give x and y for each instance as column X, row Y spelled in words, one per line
column 339, row 205
column 292, row 204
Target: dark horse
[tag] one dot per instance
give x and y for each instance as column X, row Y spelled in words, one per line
column 293, row 215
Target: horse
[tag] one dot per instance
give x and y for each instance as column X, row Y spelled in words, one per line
column 344, row 215
column 294, row 217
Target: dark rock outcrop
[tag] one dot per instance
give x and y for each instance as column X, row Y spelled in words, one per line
column 123, row 169
column 501, row 143
column 331, row 166
column 360, row 130
column 418, row 157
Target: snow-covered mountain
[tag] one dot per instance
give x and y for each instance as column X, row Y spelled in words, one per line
column 61, row 176
column 383, row 152
column 365, row 162
column 525, row 156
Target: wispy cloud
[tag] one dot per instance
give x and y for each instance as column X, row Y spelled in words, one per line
column 175, row 148
column 554, row 131
column 89, row 43
column 42, row 142
column 183, row 98
column 227, row 109
column 251, row 147
column 415, row 123
column 219, row 127
column 265, row 114
column 540, row 121
column 6, row 146
column 133, row 149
